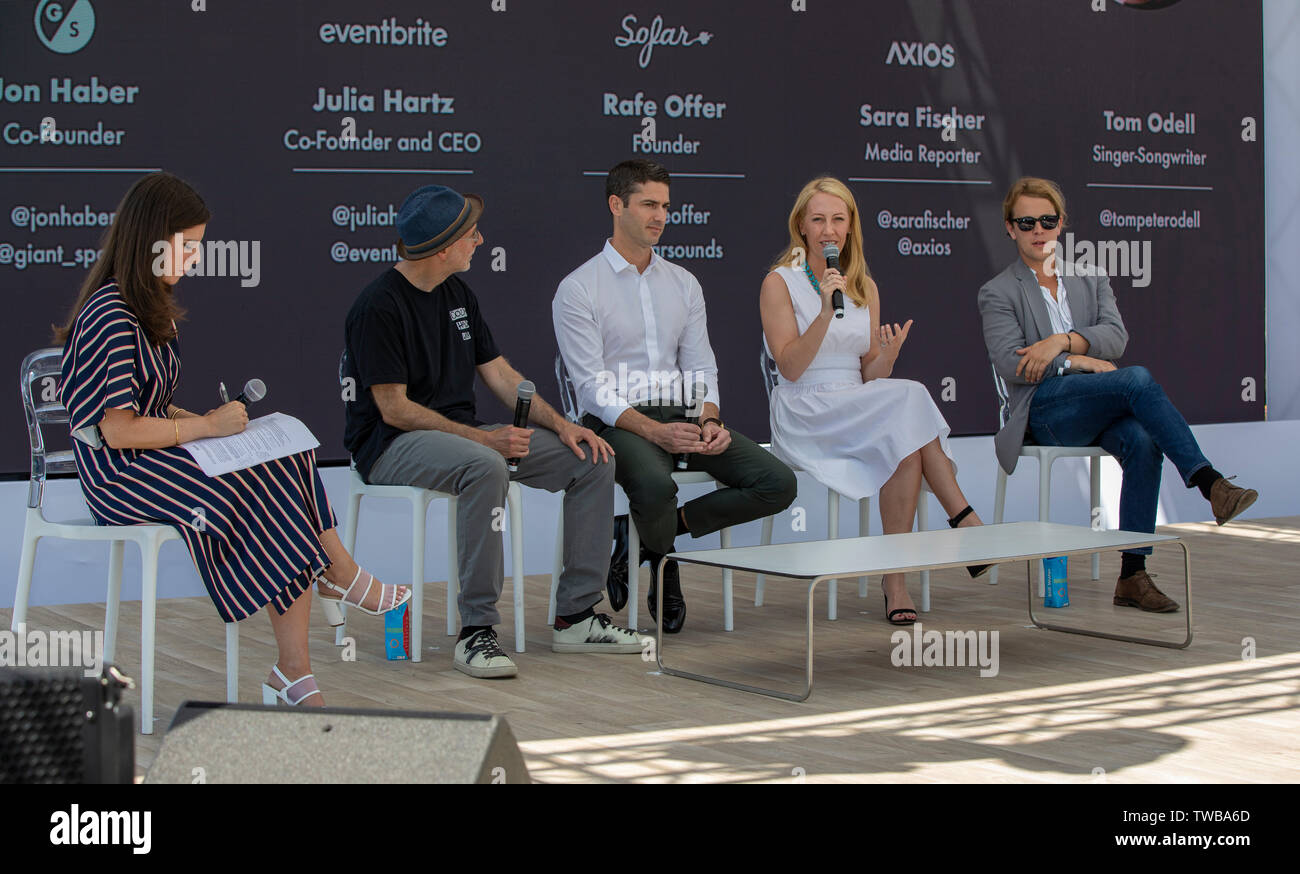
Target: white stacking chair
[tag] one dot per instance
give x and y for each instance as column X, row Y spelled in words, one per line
column 419, row 500
column 771, row 378
column 1046, row 457
column 569, row 399
column 38, row 380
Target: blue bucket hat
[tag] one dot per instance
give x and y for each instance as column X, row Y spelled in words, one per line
column 434, row 217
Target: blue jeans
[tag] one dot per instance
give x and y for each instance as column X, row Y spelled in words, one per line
column 1127, row 413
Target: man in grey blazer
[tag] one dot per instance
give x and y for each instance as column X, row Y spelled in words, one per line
column 1053, row 339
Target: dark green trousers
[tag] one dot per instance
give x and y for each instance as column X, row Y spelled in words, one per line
column 756, row 483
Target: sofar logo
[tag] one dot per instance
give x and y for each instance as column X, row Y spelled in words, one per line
column 65, row 27
column 916, row 54
column 656, row 34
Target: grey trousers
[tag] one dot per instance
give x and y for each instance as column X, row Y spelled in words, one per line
column 478, row 477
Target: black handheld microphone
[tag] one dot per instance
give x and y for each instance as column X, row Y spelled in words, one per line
column 523, row 403
column 698, row 391
column 254, row 390
column 831, row 253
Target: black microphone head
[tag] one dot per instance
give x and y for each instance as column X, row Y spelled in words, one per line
column 698, row 392
column 254, row 390
column 527, row 390
column 831, row 253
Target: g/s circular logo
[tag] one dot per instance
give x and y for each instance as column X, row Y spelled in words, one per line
column 65, row 27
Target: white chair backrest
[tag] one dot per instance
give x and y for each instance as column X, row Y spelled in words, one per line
column 1004, row 397
column 568, row 394
column 38, row 382
column 771, row 376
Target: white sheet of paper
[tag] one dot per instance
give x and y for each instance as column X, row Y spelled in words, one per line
column 265, row 439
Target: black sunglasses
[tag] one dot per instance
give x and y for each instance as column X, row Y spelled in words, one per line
column 1026, row 222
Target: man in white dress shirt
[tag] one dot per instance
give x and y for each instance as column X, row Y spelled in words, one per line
column 631, row 329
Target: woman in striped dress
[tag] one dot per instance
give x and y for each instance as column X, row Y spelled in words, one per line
column 261, row 535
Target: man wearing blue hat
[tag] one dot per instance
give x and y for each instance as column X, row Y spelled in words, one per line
column 415, row 338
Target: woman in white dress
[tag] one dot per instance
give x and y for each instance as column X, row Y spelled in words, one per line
column 835, row 412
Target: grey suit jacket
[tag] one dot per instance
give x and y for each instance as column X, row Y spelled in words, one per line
column 1015, row 316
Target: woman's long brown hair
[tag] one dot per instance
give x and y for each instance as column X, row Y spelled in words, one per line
column 157, row 207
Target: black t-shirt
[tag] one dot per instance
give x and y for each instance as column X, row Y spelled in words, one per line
column 428, row 341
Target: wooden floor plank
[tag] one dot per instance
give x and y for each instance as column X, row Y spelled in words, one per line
column 1062, row 708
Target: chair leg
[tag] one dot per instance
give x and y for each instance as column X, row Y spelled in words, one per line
column 148, row 623
column 999, row 506
column 419, row 523
column 864, row 530
column 633, row 571
column 1094, row 497
column 26, row 565
column 764, row 538
column 923, row 524
column 113, row 603
column 728, row 618
column 556, row 569
column 1044, row 507
column 453, row 569
column 832, row 533
column 515, row 502
column 232, row 662
column 350, row 525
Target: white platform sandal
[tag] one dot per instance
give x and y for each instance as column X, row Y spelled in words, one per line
column 293, row 693
column 388, row 599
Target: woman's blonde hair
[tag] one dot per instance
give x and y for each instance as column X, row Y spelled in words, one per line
column 853, row 263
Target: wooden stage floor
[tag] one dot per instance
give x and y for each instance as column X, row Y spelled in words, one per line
column 1062, row 708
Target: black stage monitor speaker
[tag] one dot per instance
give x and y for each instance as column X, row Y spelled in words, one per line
column 248, row 743
column 59, row 726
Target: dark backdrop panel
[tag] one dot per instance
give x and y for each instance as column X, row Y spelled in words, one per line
column 219, row 92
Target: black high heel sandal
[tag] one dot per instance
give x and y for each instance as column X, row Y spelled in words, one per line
column 890, row 614
column 975, row 570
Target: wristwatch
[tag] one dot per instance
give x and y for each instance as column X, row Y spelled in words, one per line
column 714, row 420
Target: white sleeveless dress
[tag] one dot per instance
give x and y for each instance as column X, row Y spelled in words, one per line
column 848, row 434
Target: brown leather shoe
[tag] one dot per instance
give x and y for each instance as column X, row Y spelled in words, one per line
column 1138, row 591
column 1229, row 501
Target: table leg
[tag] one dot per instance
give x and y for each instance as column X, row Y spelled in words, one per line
column 743, row 687
column 1187, row 611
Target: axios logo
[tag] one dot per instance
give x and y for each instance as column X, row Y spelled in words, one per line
column 65, row 27
column 916, row 54
column 656, row 35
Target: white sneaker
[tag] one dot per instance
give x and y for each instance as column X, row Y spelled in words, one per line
column 479, row 655
column 596, row 634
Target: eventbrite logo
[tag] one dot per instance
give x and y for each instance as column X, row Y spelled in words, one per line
column 65, row 26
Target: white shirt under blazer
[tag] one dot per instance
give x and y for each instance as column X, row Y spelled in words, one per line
column 653, row 324
column 850, row 435
column 1015, row 316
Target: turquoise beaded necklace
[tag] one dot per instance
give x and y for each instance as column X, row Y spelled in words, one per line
column 817, row 286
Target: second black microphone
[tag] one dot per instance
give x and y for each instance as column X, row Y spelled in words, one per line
column 523, row 403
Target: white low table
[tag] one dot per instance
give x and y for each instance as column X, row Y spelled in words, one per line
column 820, row 560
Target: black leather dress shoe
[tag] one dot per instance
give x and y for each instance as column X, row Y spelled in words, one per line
column 674, row 603
column 616, row 581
